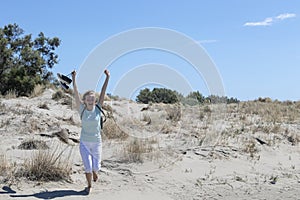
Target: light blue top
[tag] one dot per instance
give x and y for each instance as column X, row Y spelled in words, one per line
column 90, row 124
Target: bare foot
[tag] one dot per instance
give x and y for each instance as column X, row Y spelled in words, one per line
column 88, row 190
column 95, row 176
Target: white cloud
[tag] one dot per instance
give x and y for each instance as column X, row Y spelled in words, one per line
column 270, row 20
column 267, row 22
column 286, row 16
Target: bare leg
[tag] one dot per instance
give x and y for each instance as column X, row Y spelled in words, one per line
column 89, row 180
column 95, row 176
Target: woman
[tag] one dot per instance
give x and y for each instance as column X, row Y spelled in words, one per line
column 90, row 137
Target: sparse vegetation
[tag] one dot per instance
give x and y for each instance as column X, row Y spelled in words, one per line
column 136, row 150
column 250, row 148
column 37, row 91
column 174, row 113
column 170, row 132
column 274, row 112
column 112, row 131
column 10, row 94
column 146, row 118
column 47, row 165
column 33, row 144
column 4, row 165
column 67, row 100
column 111, row 97
column 163, row 95
column 63, row 97
column 59, row 94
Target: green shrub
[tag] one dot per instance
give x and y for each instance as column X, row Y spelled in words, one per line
column 157, row 95
column 197, row 96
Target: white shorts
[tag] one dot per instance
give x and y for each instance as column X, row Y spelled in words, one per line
column 91, row 155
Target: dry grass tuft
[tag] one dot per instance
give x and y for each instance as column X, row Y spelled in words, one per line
column 250, row 148
column 7, row 170
column 166, row 129
column 107, row 107
column 207, row 109
column 112, row 131
column 146, row 118
column 37, row 91
column 47, row 166
column 11, row 94
column 3, row 108
column 4, row 165
column 274, row 112
column 173, row 112
column 135, row 150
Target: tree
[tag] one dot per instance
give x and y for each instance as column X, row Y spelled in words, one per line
column 25, row 62
column 232, row 100
column 144, row 96
column 196, row 95
column 224, row 99
column 157, row 95
column 163, row 95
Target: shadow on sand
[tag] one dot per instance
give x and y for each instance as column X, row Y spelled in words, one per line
column 45, row 194
column 7, row 190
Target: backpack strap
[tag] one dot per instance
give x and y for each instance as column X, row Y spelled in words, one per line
column 82, row 112
column 101, row 118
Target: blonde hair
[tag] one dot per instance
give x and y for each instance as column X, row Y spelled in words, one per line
column 90, row 92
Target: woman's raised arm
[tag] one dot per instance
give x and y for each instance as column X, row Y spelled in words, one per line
column 103, row 90
column 76, row 93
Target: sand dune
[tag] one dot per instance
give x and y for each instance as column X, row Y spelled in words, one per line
column 248, row 150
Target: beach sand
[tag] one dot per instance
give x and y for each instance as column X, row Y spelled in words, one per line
column 208, row 152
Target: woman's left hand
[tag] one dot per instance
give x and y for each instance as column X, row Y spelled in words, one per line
column 107, row 72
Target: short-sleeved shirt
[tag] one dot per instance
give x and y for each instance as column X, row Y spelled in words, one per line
column 90, row 124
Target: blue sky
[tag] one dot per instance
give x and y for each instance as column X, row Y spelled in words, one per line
column 255, row 44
